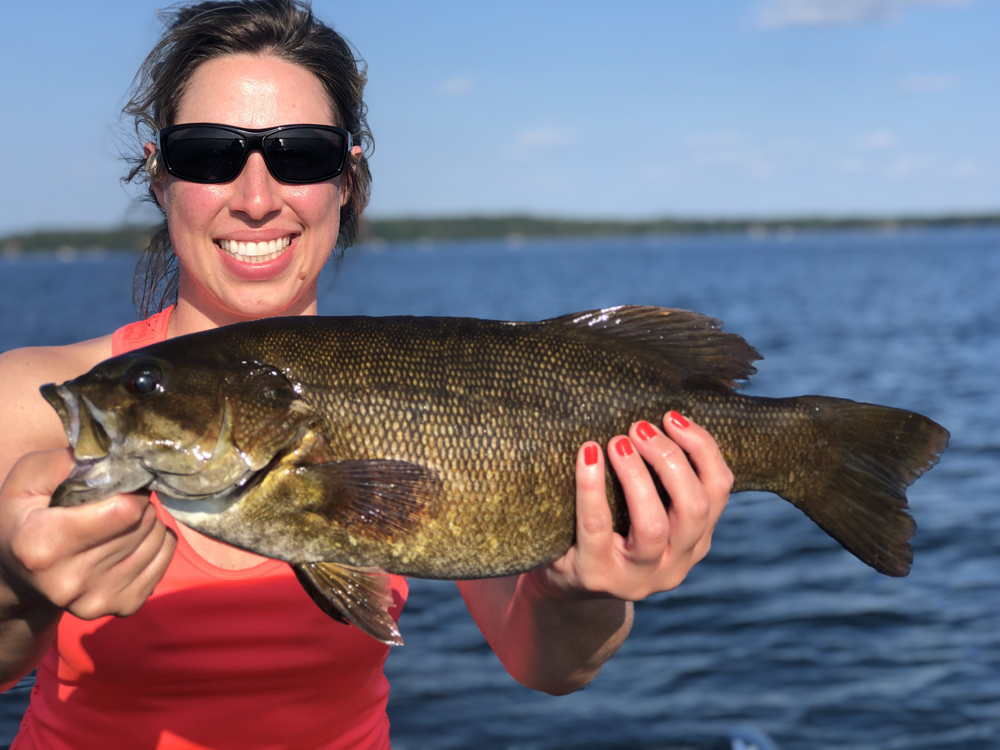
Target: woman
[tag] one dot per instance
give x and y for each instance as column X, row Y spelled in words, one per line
column 228, row 651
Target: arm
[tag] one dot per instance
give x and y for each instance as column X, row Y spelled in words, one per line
column 94, row 560
column 554, row 627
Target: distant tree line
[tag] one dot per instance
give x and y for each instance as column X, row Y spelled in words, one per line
column 489, row 227
column 127, row 237
column 136, row 237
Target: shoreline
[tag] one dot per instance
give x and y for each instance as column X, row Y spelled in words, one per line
column 517, row 228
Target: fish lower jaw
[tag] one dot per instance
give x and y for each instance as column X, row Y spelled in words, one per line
column 254, row 252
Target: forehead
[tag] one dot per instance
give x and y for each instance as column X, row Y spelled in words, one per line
column 253, row 91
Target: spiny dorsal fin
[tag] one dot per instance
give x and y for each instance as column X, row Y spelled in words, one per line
column 360, row 596
column 690, row 344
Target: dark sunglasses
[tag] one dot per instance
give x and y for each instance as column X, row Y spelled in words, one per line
column 299, row 154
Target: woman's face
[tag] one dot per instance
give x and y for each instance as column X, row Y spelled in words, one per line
column 207, row 221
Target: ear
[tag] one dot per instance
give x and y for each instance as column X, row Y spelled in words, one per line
column 345, row 191
column 157, row 185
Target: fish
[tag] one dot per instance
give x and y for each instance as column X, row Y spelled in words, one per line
column 444, row 448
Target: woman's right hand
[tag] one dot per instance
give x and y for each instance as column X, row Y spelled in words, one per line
column 93, row 560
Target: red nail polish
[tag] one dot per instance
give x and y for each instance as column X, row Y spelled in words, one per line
column 645, row 430
column 590, row 455
column 624, row 447
column 678, row 420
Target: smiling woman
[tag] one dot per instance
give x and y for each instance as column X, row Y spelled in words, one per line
column 312, row 66
column 212, row 224
column 146, row 633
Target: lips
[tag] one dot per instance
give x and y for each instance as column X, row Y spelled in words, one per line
column 259, row 260
column 255, row 252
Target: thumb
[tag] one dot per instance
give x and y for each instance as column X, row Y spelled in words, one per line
column 28, row 493
column 38, row 474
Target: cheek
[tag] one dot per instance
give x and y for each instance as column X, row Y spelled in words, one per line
column 316, row 205
column 192, row 206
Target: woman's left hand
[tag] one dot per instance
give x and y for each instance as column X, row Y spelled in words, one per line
column 663, row 543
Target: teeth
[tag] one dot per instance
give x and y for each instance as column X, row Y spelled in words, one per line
column 255, row 252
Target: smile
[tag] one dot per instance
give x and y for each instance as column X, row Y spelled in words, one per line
column 255, row 252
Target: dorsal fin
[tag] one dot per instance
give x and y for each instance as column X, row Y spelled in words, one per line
column 692, row 345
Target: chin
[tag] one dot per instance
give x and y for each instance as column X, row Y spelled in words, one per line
column 254, row 305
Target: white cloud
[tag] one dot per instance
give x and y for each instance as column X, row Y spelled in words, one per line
column 456, row 86
column 775, row 14
column 903, row 166
column 921, row 84
column 849, row 165
column 542, row 137
column 727, row 149
column 966, row 168
column 877, row 140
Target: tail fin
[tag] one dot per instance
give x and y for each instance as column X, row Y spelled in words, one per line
column 856, row 487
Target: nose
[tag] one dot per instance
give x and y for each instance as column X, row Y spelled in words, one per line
column 256, row 191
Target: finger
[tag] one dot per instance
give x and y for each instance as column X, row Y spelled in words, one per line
column 51, row 554
column 85, row 527
column 132, row 542
column 707, row 459
column 38, row 474
column 594, row 524
column 689, row 507
column 120, row 588
column 147, row 547
column 141, row 586
column 649, row 526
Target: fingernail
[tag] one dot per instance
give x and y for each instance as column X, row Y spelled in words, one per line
column 590, row 455
column 678, row 420
column 624, row 447
column 645, row 430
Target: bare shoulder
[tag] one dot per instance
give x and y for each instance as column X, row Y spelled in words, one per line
column 27, row 422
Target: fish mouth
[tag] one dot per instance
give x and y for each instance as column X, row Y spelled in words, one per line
column 98, row 473
column 86, row 427
column 61, row 403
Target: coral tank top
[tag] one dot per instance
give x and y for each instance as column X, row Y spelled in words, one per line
column 214, row 659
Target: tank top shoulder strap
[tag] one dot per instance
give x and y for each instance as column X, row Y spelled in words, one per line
column 141, row 333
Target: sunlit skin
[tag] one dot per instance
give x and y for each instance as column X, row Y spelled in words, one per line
column 216, row 289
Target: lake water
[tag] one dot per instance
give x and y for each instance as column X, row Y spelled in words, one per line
column 779, row 628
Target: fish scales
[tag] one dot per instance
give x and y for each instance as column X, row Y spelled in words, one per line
column 477, row 407
column 445, row 447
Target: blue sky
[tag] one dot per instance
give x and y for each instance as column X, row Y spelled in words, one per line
column 582, row 109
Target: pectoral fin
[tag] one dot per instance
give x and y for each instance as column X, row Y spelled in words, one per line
column 359, row 596
column 376, row 498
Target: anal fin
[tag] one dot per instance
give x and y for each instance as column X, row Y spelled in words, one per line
column 349, row 594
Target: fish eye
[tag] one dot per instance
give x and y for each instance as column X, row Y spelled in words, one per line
column 146, row 378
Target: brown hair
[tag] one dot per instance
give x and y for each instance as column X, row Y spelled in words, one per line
column 197, row 33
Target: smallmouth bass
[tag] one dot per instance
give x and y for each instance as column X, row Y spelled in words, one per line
column 445, row 447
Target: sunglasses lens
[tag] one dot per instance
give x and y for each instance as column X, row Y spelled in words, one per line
column 204, row 154
column 209, row 153
column 306, row 154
